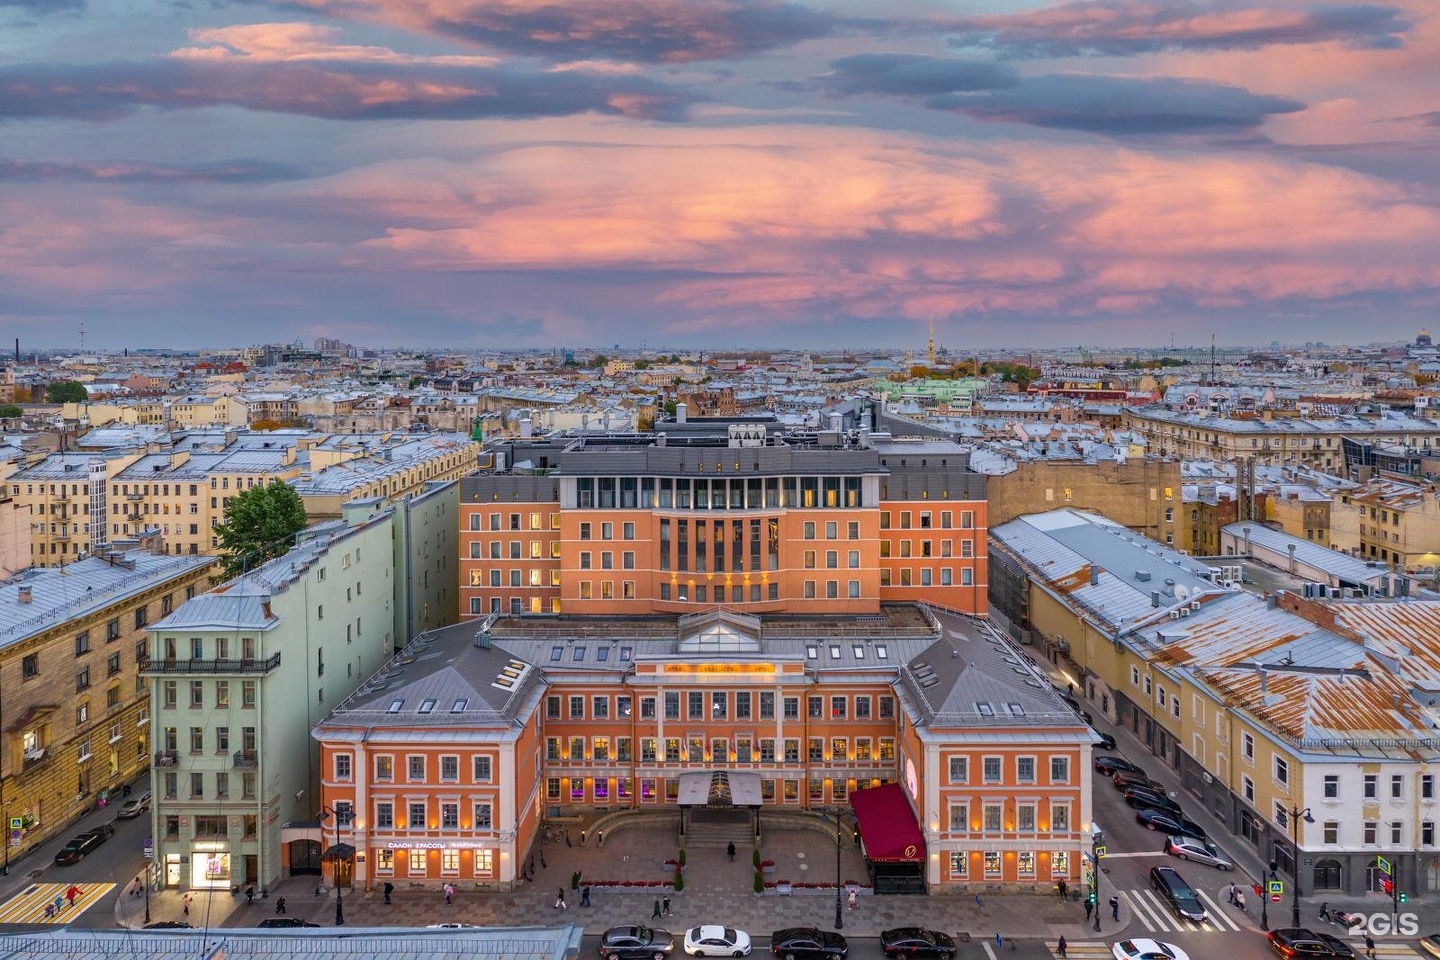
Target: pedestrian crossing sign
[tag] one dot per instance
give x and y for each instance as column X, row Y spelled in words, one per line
column 1276, row 886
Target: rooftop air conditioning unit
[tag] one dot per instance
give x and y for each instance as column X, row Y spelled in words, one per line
column 1174, row 614
column 1185, row 612
column 1194, row 604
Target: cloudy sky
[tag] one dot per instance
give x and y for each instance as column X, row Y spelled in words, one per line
column 782, row 173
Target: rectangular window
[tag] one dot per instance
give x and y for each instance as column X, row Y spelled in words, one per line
column 959, row 769
column 415, row 769
column 1332, row 786
column 992, row 769
column 1372, row 786
column 1427, row 786
column 1371, row 833
column 450, row 769
column 1331, row 832
column 342, row 766
column 1025, row 769
column 1397, row 786
column 1059, row 769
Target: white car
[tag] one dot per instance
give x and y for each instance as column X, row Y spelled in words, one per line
column 716, row 941
column 1139, row 949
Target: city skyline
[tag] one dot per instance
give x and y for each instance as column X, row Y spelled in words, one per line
column 713, row 173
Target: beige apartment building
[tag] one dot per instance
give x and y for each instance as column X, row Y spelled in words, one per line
column 1308, row 441
column 75, row 503
column 1143, row 494
column 1395, row 523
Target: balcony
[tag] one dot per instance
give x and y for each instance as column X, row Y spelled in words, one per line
column 246, row 758
column 157, row 667
column 134, row 496
column 167, row 758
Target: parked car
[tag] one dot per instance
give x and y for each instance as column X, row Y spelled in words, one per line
column 169, row 925
column 134, row 806
column 636, row 943
column 1297, row 943
column 1141, row 949
column 1431, row 944
column 1107, row 742
column 82, row 845
column 916, row 942
column 1337, row 946
column 1169, row 823
column 451, row 926
column 1140, row 797
column 715, row 940
column 808, row 943
column 1200, row 851
column 1124, row 779
column 1110, row 765
column 275, row 923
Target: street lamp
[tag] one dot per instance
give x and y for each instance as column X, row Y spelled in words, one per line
column 1295, row 814
column 7, row 838
column 335, row 855
column 839, row 913
column 1097, row 840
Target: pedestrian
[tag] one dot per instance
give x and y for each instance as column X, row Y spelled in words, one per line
column 1060, row 947
column 71, row 894
column 1114, row 908
column 280, row 905
column 665, row 905
column 730, row 852
column 656, row 914
column 532, row 864
column 1240, row 900
column 59, row 902
column 186, row 902
column 1232, row 894
column 543, row 865
column 978, row 904
column 854, row 898
column 389, row 889
column 1369, row 946
column 125, row 791
column 49, row 911
column 560, row 900
column 999, row 941
column 135, row 890
column 1063, row 889
column 1089, row 906
column 585, row 895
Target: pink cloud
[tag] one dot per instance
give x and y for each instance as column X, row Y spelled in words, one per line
column 291, row 42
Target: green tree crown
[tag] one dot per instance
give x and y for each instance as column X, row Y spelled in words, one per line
column 260, row 524
column 66, row 391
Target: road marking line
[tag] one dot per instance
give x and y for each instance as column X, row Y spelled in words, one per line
column 1217, row 916
column 1145, row 910
column 28, row 906
column 1135, row 853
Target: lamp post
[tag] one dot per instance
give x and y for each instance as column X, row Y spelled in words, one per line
column 146, row 875
column 325, row 813
column 7, row 838
column 1097, row 840
column 839, row 913
column 1295, row 814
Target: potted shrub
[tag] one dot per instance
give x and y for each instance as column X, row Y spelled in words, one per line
column 682, row 856
column 755, row 857
column 759, row 882
column 575, row 880
column 679, row 881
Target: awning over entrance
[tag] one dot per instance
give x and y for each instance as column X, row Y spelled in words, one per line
column 721, row 788
column 887, row 825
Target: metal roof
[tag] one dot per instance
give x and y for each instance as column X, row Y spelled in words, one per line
column 1311, row 554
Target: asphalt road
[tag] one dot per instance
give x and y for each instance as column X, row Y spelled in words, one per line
column 116, row 861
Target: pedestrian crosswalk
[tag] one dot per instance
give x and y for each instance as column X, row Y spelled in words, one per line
column 1155, row 914
column 1089, row 950
column 48, row 903
column 1100, row 950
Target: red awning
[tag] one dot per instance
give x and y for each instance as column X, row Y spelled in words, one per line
column 887, row 824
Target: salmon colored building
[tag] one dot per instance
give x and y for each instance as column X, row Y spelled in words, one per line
column 445, row 764
column 621, row 525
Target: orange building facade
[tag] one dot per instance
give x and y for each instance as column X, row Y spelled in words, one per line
column 629, row 525
column 444, row 764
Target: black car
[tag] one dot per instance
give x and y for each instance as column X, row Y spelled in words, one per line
column 636, row 943
column 1337, row 946
column 1109, row 766
column 169, row 925
column 916, row 942
column 276, row 922
column 808, row 943
column 1140, row 797
column 83, row 845
column 1125, row 779
column 1107, row 742
column 1169, row 822
column 1297, row 943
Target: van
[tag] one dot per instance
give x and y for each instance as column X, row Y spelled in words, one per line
column 1179, row 894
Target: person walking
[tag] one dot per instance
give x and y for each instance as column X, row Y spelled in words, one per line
column 665, row 904
column 1240, row 900
column 1060, row 947
column 1114, row 908
column 854, row 899
column 560, row 900
column 656, row 915
column 999, row 941
column 389, row 889
column 585, row 895
column 730, row 852
column 1369, row 946
column 1232, row 896
column 186, row 902
column 543, row 864
column 71, row 894
column 250, row 894
column 1089, row 908
column 136, row 890
column 1064, row 888
column 280, row 905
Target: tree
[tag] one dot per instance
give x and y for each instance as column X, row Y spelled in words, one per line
column 260, row 524
column 10, row 412
column 66, row 391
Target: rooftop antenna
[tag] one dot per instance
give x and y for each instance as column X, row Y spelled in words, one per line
column 1212, row 360
column 930, row 348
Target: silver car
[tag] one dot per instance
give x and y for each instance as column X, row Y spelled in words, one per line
column 1188, row 848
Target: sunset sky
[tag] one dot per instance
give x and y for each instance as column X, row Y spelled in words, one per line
column 712, row 173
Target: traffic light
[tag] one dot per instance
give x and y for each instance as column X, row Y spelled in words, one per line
column 1258, row 891
column 1092, row 896
column 1402, row 896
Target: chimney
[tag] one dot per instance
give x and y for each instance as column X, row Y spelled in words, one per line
column 1094, row 575
column 527, row 429
column 837, row 421
column 1291, row 548
column 24, row 594
column 1270, row 601
column 1247, row 540
column 680, row 412
column 1154, row 598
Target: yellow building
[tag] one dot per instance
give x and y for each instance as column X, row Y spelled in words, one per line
column 1390, row 521
column 74, row 720
column 76, row 502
